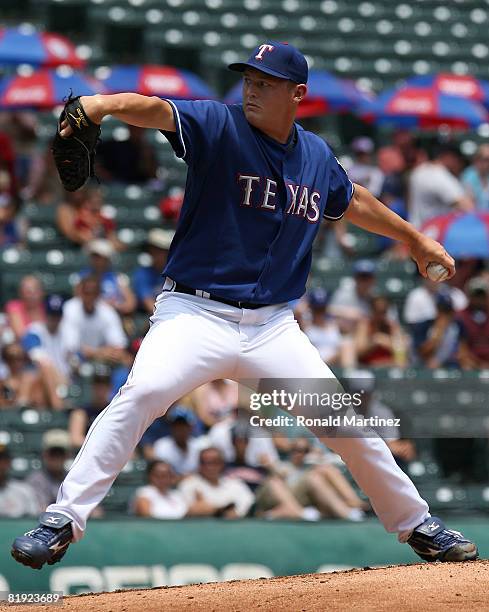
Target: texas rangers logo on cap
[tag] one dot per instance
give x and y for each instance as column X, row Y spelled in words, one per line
column 263, row 49
column 277, row 59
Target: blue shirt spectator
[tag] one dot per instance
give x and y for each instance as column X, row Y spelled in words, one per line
column 114, row 287
column 147, row 281
column 475, row 179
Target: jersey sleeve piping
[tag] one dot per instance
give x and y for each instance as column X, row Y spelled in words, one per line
column 179, row 132
column 330, row 218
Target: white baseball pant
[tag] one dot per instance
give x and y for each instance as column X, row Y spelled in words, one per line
column 193, row 340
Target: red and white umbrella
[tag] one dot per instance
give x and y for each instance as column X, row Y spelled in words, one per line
column 25, row 45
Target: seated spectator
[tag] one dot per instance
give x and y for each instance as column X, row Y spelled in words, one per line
column 324, row 333
column 214, row 401
column 321, row 487
column 21, row 127
column 22, row 384
column 46, row 347
column 363, row 381
column 379, row 338
column 179, row 449
column 252, row 475
column 80, row 218
column 364, row 171
column 435, row 188
column 131, row 161
column 223, row 496
column 121, row 372
column 81, row 419
column 91, row 327
column 9, row 230
column 29, row 306
column 7, row 162
column 44, row 186
column 159, row 428
column 393, row 196
column 351, row 301
column 260, row 450
column 17, row 498
column 475, row 179
column 46, row 481
column 420, row 306
column 440, row 346
column 402, row 155
column 274, row 499
column 474, row 322
column 147, row 281
column 115, row 287
column 159, row 499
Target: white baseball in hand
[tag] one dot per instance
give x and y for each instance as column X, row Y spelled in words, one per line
column 436, row 272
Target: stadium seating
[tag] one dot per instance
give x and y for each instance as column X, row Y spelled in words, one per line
column 380, row 41
column 377, row 42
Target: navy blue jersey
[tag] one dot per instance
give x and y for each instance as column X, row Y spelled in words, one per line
column 252, row 206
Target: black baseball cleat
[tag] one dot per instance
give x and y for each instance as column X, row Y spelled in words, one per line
column 432, row 541
column 45, row 544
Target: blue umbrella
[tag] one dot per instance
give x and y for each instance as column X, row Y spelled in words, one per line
column 161, row 81
column 45, row 89
column 412, row 106
column 462, row 234
column 26, row 46
column 460, row 85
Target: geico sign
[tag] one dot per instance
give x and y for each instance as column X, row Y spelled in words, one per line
column 88, row 578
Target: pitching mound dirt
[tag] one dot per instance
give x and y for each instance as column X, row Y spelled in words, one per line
column 408, row 587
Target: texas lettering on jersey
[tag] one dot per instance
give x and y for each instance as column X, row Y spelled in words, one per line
column 252, row 206
column 302, row 201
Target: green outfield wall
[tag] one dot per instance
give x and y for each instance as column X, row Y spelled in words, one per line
column 145, row 553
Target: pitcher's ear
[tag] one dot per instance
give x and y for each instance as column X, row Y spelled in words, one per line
column 300, row 93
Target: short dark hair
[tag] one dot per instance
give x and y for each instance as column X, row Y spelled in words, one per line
column 446, row 148
column 152, row 464
column 210, row 448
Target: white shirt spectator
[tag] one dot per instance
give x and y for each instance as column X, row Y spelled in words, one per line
column 41, row 344
column 18, row 499
column 259, row 445
column 227, row 491
column 346, row 300
column 101, row 328
column 326, row 339
column 166, row 449
column 171, row 505
column 367, row 175
column 433, row 191
column 420, row 304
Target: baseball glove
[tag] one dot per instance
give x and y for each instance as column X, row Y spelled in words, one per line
column 74, row 155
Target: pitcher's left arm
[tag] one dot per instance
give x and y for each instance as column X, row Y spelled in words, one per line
column 370, row 214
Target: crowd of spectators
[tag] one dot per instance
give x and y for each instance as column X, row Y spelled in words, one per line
column 202, row 458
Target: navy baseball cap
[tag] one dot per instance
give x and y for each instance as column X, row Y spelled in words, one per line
column 364, row 267
column 180, row 413
column 278, row 59
column 317, row 297
column 54, row 304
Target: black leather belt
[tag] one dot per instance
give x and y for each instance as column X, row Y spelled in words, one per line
column 179, row 288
